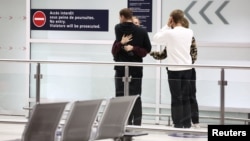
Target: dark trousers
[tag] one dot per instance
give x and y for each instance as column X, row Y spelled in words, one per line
column 134, row 89
column 179, row 84
column 193, row 100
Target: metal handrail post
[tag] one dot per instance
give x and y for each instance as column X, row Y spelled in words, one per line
column 126, row 80
column 222, row 84
column 38, row 77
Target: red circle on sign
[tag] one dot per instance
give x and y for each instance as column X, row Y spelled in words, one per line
column 39, row 19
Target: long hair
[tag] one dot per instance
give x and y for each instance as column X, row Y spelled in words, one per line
column 185, row 22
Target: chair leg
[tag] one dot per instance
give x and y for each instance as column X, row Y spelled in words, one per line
column 124, row 138
column 118, row 139
column 127, row 138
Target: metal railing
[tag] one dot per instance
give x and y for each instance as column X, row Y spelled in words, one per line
column 222, row 82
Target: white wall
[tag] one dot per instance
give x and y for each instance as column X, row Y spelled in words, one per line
column 14, row 77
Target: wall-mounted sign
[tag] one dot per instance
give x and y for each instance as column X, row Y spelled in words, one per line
column 39, row 19
column 69, row 20
column 143, row 10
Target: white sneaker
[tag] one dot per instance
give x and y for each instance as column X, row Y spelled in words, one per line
column 197, row 125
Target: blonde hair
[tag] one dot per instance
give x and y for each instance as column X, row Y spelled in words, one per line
column 185, row 22
column 136, row 20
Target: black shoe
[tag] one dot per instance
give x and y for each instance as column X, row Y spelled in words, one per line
column 187, row 126
column 178, row 126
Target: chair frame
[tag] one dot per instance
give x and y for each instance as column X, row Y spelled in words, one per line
column 114, row 118
column 80, row 121
column 38, row 123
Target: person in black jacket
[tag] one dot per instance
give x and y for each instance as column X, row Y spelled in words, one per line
column 132, row 43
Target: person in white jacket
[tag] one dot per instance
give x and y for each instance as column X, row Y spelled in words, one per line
column 178, row 40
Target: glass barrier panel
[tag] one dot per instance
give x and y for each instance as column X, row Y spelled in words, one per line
column 14, row 88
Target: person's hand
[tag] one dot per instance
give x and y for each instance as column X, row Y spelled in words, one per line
column 159, row 55
column 126, row 39
column 128, row 48
column 170, row 22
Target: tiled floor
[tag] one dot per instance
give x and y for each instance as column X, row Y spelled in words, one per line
column 13, row 131
column 10, row 131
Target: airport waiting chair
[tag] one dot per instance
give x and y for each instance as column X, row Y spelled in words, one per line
column 43, row 122
column 114, row 119
column 80, row 121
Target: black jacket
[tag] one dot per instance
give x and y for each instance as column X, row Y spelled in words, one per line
column 140, row 42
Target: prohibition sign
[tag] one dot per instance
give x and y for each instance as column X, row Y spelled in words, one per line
column 39, row 19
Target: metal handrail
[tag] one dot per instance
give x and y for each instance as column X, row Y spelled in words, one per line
column 126, row 79
column 126, row 64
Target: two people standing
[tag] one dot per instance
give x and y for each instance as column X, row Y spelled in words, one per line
column 178, row 40
column 160, row 55
column 192, row 95
column 132, row 44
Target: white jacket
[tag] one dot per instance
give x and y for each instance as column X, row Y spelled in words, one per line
column 178, row 41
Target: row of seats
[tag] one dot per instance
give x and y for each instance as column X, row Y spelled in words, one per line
column 80, row 123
